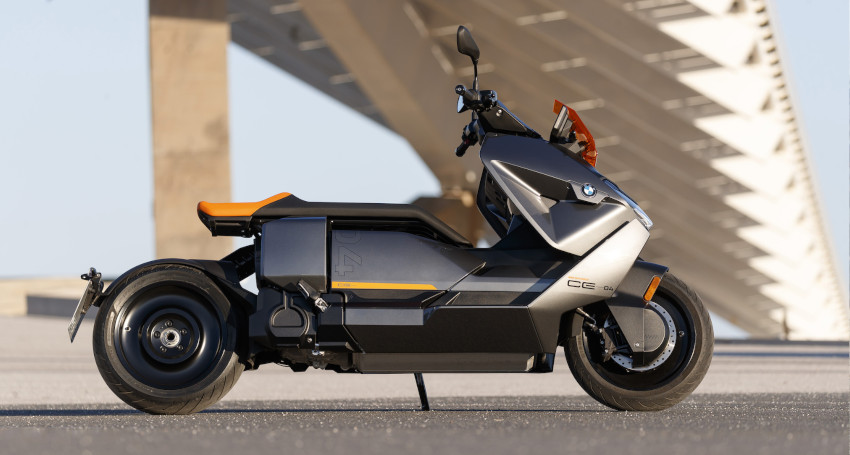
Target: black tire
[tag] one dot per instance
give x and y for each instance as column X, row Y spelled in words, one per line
column 660, row 387
column 165, row 341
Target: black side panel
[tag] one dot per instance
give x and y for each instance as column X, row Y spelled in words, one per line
column 447, row 329
column 493, row 204
column 258, row 323
column 294, row 249
column 331, row 325
column 445, row 363
column 287, row 320
column 396, row 261
column 494, row 298
column 293, row 207
column 500, row 120
column 396, row 298
column 523, row 236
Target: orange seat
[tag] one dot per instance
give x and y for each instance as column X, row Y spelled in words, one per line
column 236, row 208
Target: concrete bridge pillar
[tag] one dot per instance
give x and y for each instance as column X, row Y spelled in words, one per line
column 188, row 58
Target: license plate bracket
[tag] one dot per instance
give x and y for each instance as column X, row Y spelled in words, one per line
column 93, row 290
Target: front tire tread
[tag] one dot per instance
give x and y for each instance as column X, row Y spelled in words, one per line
column 630, row 400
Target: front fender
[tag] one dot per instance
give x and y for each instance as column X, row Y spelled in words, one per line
column 636, row 281
column 628, row 306
column 624, row 303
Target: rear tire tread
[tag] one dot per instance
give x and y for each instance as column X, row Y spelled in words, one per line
column 195, row 398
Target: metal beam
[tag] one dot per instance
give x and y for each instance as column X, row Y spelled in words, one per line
column 613, row 60
column 281, row 35
column 390, row 58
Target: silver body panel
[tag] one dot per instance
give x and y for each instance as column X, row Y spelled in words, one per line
column 572, row 225
column 595, row 278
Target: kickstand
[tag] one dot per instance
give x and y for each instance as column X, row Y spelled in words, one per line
column 423, row 395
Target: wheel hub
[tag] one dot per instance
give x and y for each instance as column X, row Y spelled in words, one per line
column 169, row 337
column 172, row 336
column 627, row 362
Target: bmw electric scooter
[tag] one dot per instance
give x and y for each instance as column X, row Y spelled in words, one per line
column 389, row 288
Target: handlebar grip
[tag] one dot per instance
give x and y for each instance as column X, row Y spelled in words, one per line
column 469, row 96
column 461, row 149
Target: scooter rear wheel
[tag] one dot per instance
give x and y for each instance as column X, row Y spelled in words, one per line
column 667, row 382
column 165, row 341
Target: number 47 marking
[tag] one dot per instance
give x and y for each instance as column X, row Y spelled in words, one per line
column 346, row 260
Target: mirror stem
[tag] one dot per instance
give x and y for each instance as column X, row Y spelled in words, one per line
column 475, row 75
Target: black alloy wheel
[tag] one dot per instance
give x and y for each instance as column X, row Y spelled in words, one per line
column 678, row 371
column 165, row 341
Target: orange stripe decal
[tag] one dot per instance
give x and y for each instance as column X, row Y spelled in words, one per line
column 237, row 208
column 401, row 286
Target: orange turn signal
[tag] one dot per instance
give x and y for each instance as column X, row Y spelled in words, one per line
column 650, row 291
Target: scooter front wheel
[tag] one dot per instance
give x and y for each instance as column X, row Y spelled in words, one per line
column 165, row 341
column 667, row 380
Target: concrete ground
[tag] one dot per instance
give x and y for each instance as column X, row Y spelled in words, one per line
column 757, row 398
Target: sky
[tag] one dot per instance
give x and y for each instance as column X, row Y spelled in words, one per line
column 814, row 37
column 76, row 172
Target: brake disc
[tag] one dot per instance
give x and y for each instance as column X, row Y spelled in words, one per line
column 627, row 362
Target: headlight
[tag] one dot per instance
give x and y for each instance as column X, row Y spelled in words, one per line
column 647, row 223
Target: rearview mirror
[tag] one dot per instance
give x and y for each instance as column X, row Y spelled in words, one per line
column 466, row 45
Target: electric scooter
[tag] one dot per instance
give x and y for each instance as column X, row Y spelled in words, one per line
column 389, row 288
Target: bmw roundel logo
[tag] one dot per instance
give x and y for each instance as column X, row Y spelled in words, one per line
column 588, row 190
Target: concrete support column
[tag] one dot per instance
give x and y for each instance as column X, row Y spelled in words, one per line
column 188, row 55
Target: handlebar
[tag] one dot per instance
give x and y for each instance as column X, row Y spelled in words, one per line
column 469, row 96
column 488, row 115
column 476, row 100
column 460, row 150
column 468, row 137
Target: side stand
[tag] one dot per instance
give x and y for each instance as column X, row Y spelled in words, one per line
column 423, row 395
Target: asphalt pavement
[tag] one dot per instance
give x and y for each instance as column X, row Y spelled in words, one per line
column 770, row 398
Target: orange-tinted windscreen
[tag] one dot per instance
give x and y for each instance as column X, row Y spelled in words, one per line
column 582, row 134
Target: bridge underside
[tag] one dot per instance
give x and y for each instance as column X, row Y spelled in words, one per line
column 630, row 69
